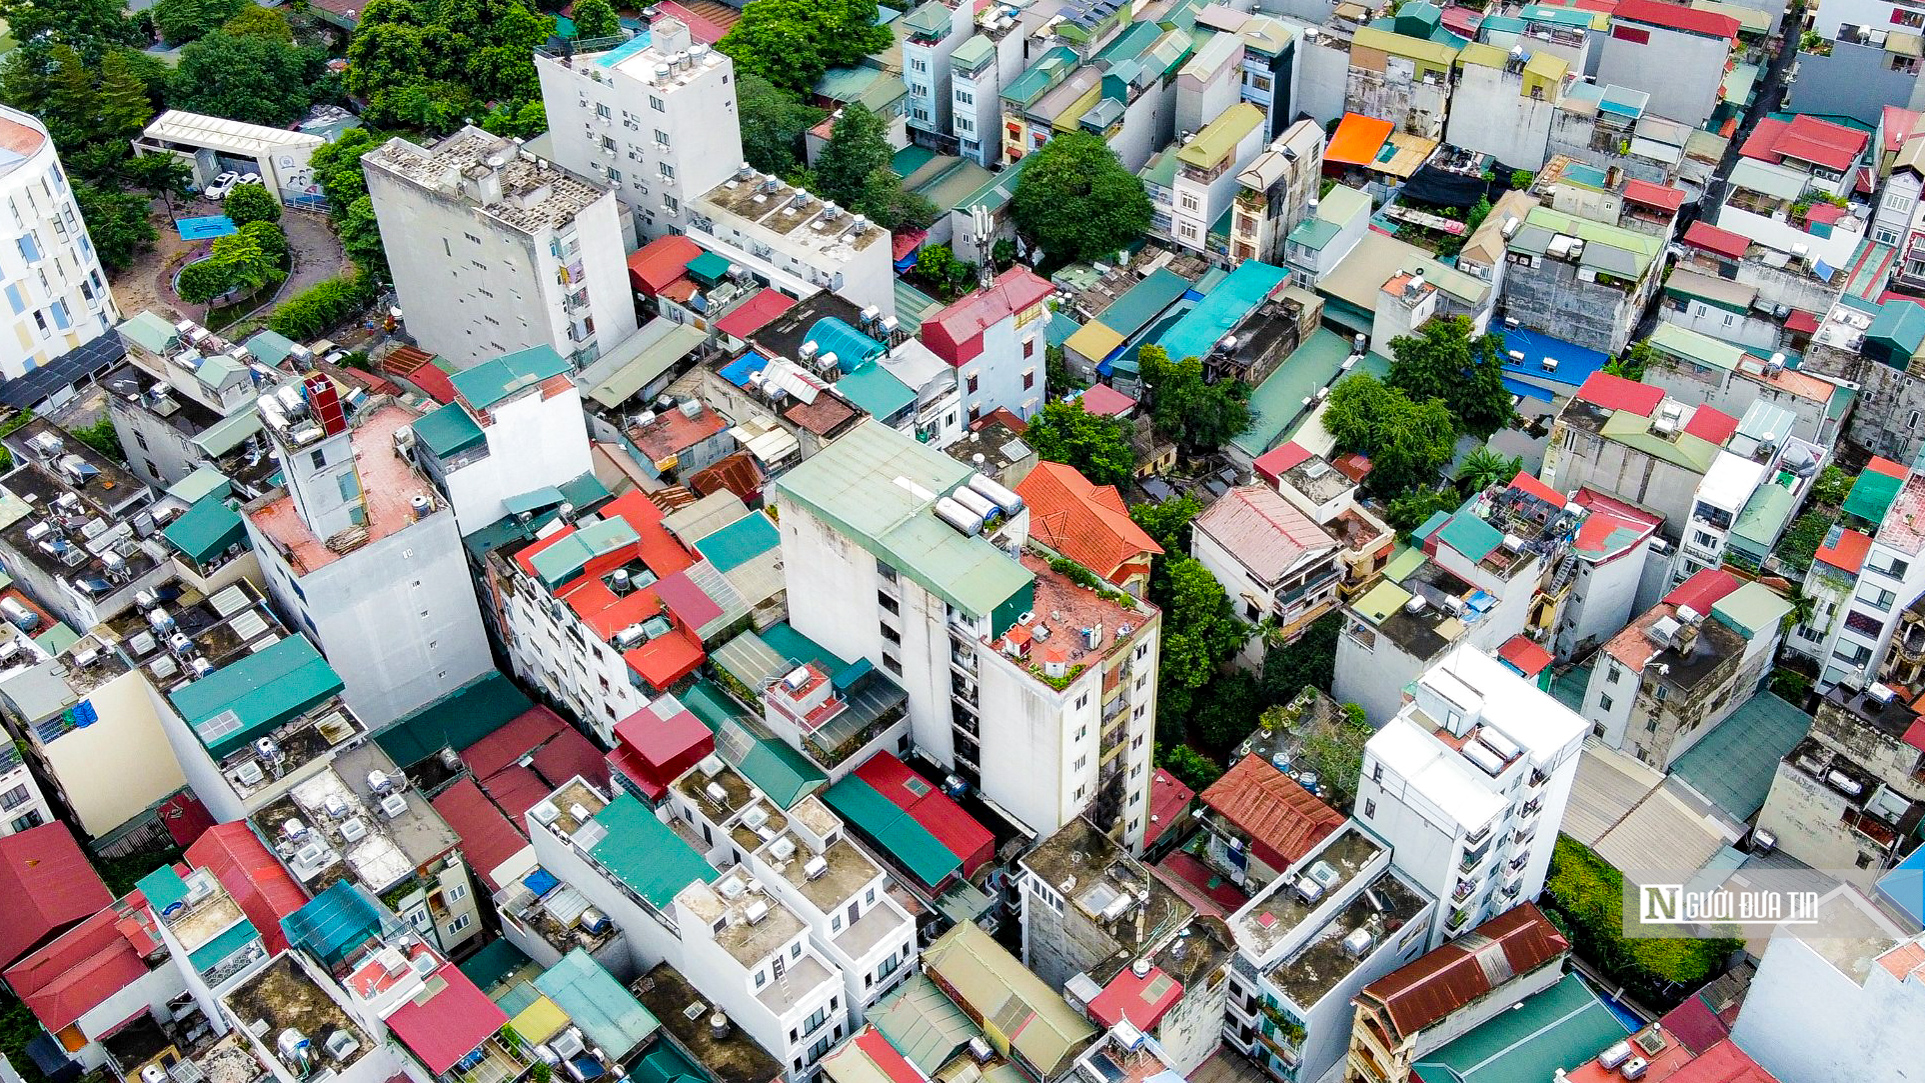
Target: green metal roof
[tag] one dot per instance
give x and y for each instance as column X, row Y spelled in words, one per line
column 1764, row 518
column 780, row 771
column 1001, row 188
column 889, row 826
column 334, row 923
column 1046, row 72
column 1314, row 233
column 923, row 1024
column 206, row 529
column 911, row 158
column 1143, row 302
column 1679, row 341
column 1752, row 610
column 493, row 964
column 1221, row 309
column 1901, row 323
column 218, row 370
column 709, row 267
column 215, row 951
column 1219, row 138
column 565, row 559
column 148, row 331
column 1470, row 536
column 250, row 695
column 855, row 485
column 644, row 853
column 1733, row 765
column 497, row 378
column 162, row 888
column 929, row 18
column 1634, row 430
column 609, row 1015
column 448, row 431
column 876, row 390
column 269, row 348
column 1561, row 1027
column 204, row 480
column 456, row 720
column 739, row 542
column 973, row 53
column 666, row 1063
column 639, row 360
column 1872, row 495
column 227, row 434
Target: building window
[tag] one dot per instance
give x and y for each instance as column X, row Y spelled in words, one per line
column 457, row 893
column 15, row 797
column 460, row 923
column 1611, row 675
column 975, row 381
column 31, row 819
column 1370, row 808
column 1604, row 703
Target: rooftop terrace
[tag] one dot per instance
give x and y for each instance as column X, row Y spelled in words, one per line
column 1273, row 918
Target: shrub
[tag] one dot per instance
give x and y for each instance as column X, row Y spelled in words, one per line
column 312, row 312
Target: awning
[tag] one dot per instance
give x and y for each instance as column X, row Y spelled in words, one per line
column 1358, row 140
column 545, row 497
column 1903, row 44
column 651, row 359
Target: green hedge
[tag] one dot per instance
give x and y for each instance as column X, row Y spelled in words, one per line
column 1585, row 895
column 321, row 307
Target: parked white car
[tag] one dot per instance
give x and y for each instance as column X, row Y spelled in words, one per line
column 223, row 184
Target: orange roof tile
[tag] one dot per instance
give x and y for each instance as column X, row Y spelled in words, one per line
column 1085, row 522
column 1284, row 820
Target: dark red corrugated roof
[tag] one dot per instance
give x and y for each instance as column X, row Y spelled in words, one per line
column 1529, row 482
column 1284, row 820
column 1142, row 999
column 448, row 1025
column 754, row 314
column 1279, row 460
column 1433, row 986
column 1712, row 239
column 1618, row 393
column 1662, row 196
column 568, row 754
column 46, row 885
column 517, row 737
column 1802, row 322
column 1807, row 139
column 77, row 972
column 1703, row 590
column 1168, row 798
column 955, row 333
column 1711, row 424
column 934, row 810
column 252, row 875
column 1695, row 1024
column 186, row 818
column 516, row 789
column 1678, row 17
column 488, row 839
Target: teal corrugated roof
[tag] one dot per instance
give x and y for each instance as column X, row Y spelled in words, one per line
column 876, row 390
column 269, row 348
column 496, row 379
column 204, row 480
column 206, row 530
column 1872, row 495
column 456, row 720
column 779, row 771
column 226, row 434
column 739, row 542
column 261, row 690
column 148, row 331
column 1470, row 536
column 922, row 1022
column 666, row 1064
column 887, row 825
column 162, row 888
column 334, row 923
column 851, row 347
column 1561, row 1027
column 448, row 431
column 644, row 853
column 565, row 559
column 493, row 963
column 1901, row 323
column 1144, row 302
column 610, row 1017
column 709, row 267
column 215, row 951
column 1220, row 310
column 1733, row 765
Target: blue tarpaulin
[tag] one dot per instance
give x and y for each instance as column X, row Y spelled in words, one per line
column 203, row 229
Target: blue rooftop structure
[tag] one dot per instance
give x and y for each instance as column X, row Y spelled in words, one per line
column 1905, row 885
column 622, row 52
column 739, row 370
column 1571, row 364
column 1221, row 308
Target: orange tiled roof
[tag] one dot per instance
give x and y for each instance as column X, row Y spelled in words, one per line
column 1085, row 522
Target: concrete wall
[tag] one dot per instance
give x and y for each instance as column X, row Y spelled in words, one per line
column 1854, row 81
column 119, row 767
column 1576, row 457
column 1551, row 297
column 1805, row 1019
column 1601, row 601
column 1323, row 70
column 1490, row 113
column 1682, row 72
column 535, row 440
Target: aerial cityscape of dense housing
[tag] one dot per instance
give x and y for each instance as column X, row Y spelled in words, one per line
column 1028, row 541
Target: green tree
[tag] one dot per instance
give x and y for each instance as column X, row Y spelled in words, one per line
column 524, row 120
column 1484, row 468
column 595, row 19
column 1800, row 544
column 255, row 21
column 162, row 176
column 1226, row 711
column 1199, row 416
column 937, row 265
column 116, row 221
column 89, row 26
column 1412, row 509
column 773, row 124
column 361, row 238
column 792, row 42
column 121, row 105
column 433, row 63
column 1443, row 360
column 1476, row 215
column 884, row 201
column 251, row 203
column 1310, row 661
column 1336, row 754
column 1200, row 630
column 320, row 308
column 1407, row 442
column 1098, row 447
column 1522, row 179
column 1058, row 380
column 1077, row 202
column 1168, row 523
column 858, row 146
column 202, row 281
column 272, row 242
column 337, row 167
column 101, row 437
column 1631, row 363
column 1586, row 895
column 252, row 79
column 1833, row 486
column 182, row 21
column 1188, row 766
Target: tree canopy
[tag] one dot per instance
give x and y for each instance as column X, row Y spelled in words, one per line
column 1076, row 201
column 1168, row 523
column 773, row 124
column 246, row 77
column 595, row 19
column 91, row 112
column 182, row 21
column 1486, row 467
column 253, row 20
column 1407, row 442
column 117, row 222
column 433, row 63
column 1199, row 416
column 791, row 43
column 90, row 27
column 1097, row 446
column 1200, row 630
column 853, row 170
column 251, row 203
column 1443, row 360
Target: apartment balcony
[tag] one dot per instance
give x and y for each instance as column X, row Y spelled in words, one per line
column 1465, row 889
column 1473, row 859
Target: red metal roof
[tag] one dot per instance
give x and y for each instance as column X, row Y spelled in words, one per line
column 886, row 1058
column 661, row 748
column 1618, row 393
column 1529, row 658
column 516, row 789
column 737, row 473
column 1711, row 424
column 955, row 333
column 1695, row 1024
column 1722, row 1063
column 1168, row 798
column 1428, row 989
column 517, row 737
column 1703, row 590
column 930, row 807
column 1712, row 239
column 1678, row 17
column 1848, row 555
column 80, row 970
column 701, row 27
column 448, row 1025
column 1200, row 885
column 1143, row 999
column 252, row 875
column 1807, row 139
column 1613, row 527
column 660, row 262
column 754, row 314
column 1529, row 483
column 1106, row 401
column 186, row 818
column 1272, row 465
column 1802, row 322
column 1086, row 522
column 488, row 839
column 569, row 754
column 904, row 241
column 1284, row 820
column 1662, row 196
column 46, row 885
column 1881, row 465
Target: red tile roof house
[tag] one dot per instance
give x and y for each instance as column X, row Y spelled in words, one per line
column 98, row 978
column 994, row 339
column 1420, row 1007
column 1260, row 822
column 1272, row 559
column 1089, row 524
column 1785, row 164
column 47, row 887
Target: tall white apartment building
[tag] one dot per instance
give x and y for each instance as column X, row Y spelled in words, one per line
column 494, row 250
column 1039, row 692
column 359, row 552
column 57, row 297
column 794, row 241
column 653, row 119
column 935, row 30
column 1890, row 577
column 1468, row 785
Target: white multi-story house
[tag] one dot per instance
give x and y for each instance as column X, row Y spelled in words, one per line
column 1039, row 692
column 1207, row 169
column 935, row 30
column 994, row 338
column 359, row 552
column 1468, row 785
column 494, row 250
column 57, row 296
column 794, row 241
column 1891, row 576
column 1719, row 500
column 1617, row 549
column 652, row 118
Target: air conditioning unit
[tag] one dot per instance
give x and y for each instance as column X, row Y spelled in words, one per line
column 782, row 849
column 393, row 805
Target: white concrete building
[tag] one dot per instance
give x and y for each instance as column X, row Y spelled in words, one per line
column 57, row 295
column 935, row 30
column 1206, row 172
column 494, row 250
column 1037, row 691
column 1720, row 498
column 1617, row 549
column 994, row 339
column 1468, row 786
column 1674, row 53
column 794, row 241
column 1891, row 576
column 214, row 145
column 652, row 119
column 360, row 553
